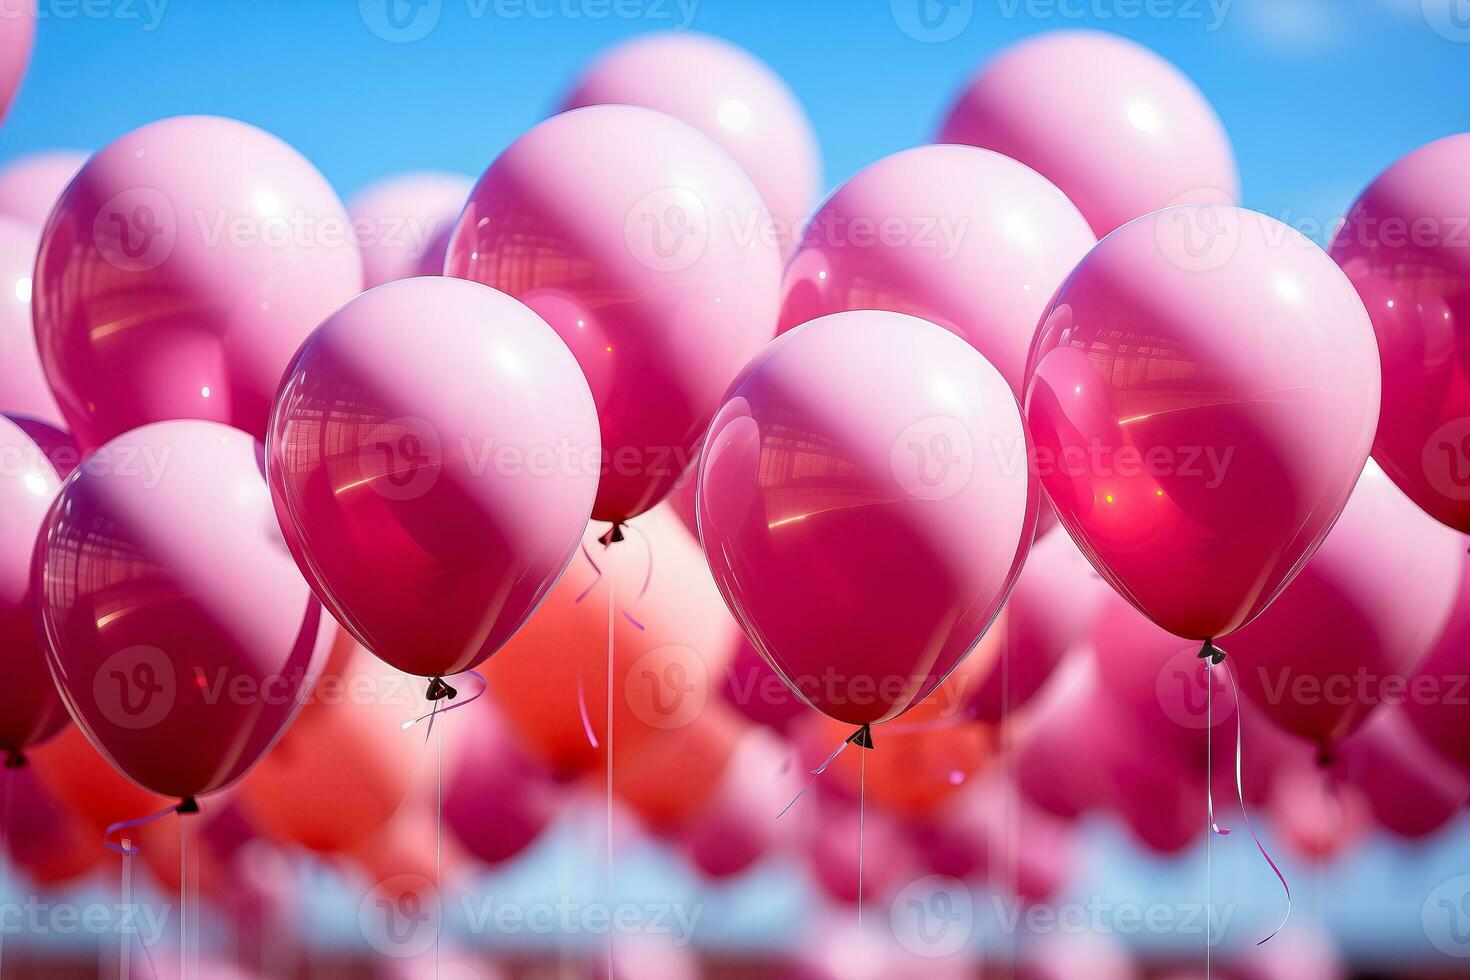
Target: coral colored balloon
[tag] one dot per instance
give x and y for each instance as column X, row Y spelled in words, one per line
column 1355, row 624
column 180, row 271
column 23, row 386
column 77, row 774
column 1201, row 408
column 31, row 184
column 1413, row 790
column 498, row 799
column 1404, row 246
column 1120, row 130
column 30, row 709
column 178, row 631
column 729, row 95
column 629, row 232
column 965, row 238
column 1439, row 692
column 433, row 458
column 402, row 224
column 858, row 511
column 17, row 37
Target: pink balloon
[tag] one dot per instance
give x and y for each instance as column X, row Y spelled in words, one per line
column 180, row 271
column 31, row 184
column 1201, row 414
column 1065, row 739
column 1412, row 789
column 1438, row 701
column 30, row 710
column 178, row 631
column 964, row 238
column 1403, row 246
column 857, row 509
column 497, row 800
column 732, row 97
column 1066, row 954
column 17, row 37
column 402, row 224
column 23, row 386
column 433, row 456
column 1120, row 130
column 636, row 237
column 1350, row 631
column 736, row 826
column 1050, row 610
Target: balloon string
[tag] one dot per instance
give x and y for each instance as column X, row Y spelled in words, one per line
column 437, row 710
column 9, row 777
column 862, row 818
column 597, row 570
column 1210, row 752
column 127, row 849
column 1240, row 790
column 611, row 634
column 858, row 736
column 439, row 820
column 183, row 901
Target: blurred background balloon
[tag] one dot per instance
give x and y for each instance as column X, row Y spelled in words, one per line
column 31, row 184
column 402, row 224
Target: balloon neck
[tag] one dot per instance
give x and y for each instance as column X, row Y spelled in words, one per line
column 1325, row 756
column 613, row 536
column 186, row 806
column 1212, row 653
column 862, row 738
column 440, row 691
column 15, row 759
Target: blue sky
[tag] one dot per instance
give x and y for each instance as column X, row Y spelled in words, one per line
column 1318, row 95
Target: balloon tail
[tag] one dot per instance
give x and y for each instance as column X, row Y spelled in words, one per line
column 1210, row 741
column 443, row 692
column 861, row 737
column 15, row 759
column 597, row 569
column 596, row 572
column 9, row 778
column 613, row 536
column 439, row 822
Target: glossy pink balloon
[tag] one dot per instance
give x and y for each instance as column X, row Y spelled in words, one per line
column 402, row 224
column 30, row 185
column 180, row 271
column 1120, row 130
column 1349, row 632
column 1202, row 395
column 23, row 386
column 1413, row 790
column 636, row 237
column 178, row 631
column 731, row 96
column 1438, row 701
column 30, row 709
column 433, row 456
column 1404, row 246
column 965, row 238
column 17, row 37
column 858, row 509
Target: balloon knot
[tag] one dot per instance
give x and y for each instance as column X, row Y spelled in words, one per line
column 15, row 759
column 1212, row 653
column 439, row 691
column 862, row 738
column 1325, row 755
column 613, row 536
column 187, row 805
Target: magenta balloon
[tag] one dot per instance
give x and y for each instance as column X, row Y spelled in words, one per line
column 637, row 238
column 860, row 510
column 433, row 456
column 402, row 224
column 23, row 386
column 30, row 709
column 179, row 633
column 1404, row 246
column 497, row 800
column 31, row 184
column 1413, row 790
column 1050, row 610
column 55, row 444
column 732, row 97
column 1350, row 631
column 1120, row 130
column 17, row 37
column 1201, row 413
column 965, row 238
column 180, row 271
column 1439, row 694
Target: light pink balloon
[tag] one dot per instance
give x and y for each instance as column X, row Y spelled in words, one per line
column 1350, row 631
column 30, row 709
column 433, row 456
column 180, row 271
column 736, row 826
column 498, row 799
column 1065, row 954
column 402, row 224
column 1439, row 694
column 731, row 96
column 1065, row 739
column 630, row 233
column 31, row 184
column 965, row 238
column 1413, row 790
column 1403, row 245
column 178, row 631
column 23, row 386
column 17, row 37
column 1120, row 130
column 857, row 509
column 1201, row 408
